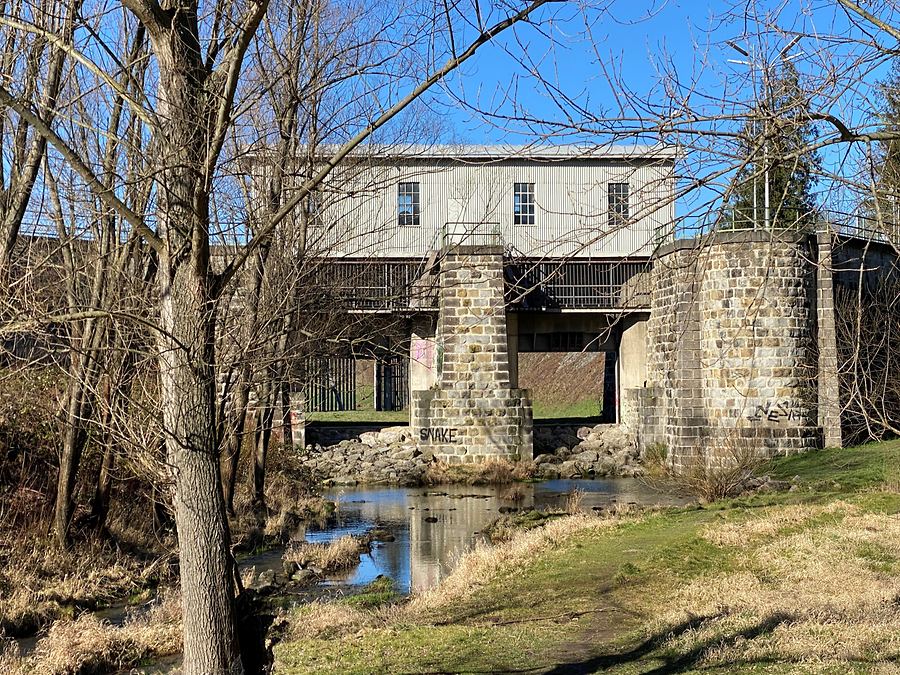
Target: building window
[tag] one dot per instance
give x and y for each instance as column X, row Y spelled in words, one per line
column 523, row 203
column 313, row 207
column 408, row 203
column 617, row 194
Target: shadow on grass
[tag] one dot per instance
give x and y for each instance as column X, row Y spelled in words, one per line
column 671, row 663
column 674, row 663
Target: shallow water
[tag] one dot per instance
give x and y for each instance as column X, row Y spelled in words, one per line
column 433, row 526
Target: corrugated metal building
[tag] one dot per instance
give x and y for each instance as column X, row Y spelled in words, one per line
column 538, row 201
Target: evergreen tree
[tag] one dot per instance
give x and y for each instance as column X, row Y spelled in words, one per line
column 775, row 139
column 887, row 158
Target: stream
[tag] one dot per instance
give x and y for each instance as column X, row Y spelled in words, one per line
column 433, row 526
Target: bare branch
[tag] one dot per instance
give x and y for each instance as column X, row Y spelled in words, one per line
column 105, row 193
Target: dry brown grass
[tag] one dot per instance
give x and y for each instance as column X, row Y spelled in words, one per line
column 336, row 555
column 327, row 620
column 745, row 533
column 489, row 472
column 42, row 583
column 515, row 494
column 573, row 501
column 474, row 569
column 826, row 590
column 88, row 645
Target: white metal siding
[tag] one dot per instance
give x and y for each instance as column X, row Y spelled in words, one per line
column 456, row 196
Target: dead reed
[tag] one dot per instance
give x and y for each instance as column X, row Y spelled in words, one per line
column 329, row 557
column 489, row 472
column 87, row 645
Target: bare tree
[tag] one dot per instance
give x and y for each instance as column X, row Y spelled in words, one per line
column 198, row 57
column 93, row 341
column 28, row 58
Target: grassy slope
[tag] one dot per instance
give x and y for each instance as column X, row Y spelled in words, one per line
column 795, row 582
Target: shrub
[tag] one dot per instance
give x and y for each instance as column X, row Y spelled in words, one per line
column 718, row 470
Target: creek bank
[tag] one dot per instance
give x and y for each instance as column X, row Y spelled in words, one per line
column 391, row 456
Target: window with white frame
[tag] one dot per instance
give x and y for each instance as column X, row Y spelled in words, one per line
column 408, row 203
column 523, row 203
column 617, row 196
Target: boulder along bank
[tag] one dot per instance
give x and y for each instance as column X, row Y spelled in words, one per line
column 391, row 456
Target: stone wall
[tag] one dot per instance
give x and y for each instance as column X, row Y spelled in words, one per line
column 731, row 335
column 644, row 415
column 473, row 413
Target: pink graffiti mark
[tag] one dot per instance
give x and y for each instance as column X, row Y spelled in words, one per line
column 423, row 351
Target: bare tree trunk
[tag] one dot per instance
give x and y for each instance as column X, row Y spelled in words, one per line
column 73, row 444
column 188, row 388
column 263, row 436
column 235, row 427
column 236, row 423
column 117, row 399
column 100, row 503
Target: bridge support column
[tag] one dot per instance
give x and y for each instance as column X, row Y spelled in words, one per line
column 423, row 355
column 297, row 416
column 472, row 412
column 731, row 336
column 828, row 380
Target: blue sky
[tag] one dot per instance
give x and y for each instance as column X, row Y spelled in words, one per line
column 590, row 48
column 632, row 42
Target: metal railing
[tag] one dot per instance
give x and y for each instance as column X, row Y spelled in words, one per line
column 374, row 286
column 471, row 234
column 530, row 285
column 868, row 229
column 541, row 285
column 331, row 384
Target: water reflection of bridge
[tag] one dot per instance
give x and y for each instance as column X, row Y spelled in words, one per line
column 433, row 527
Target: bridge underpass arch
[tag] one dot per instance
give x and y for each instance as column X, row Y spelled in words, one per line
column 620, row 339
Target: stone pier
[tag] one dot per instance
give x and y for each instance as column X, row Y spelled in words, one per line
column 471, row 412
column 731, row 338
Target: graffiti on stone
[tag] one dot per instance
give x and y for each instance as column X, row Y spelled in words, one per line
column 438, row 434
column 423, row 352
column 776, row 411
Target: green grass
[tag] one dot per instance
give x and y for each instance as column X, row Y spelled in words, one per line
column 378, row 592
column 365, row 416
column 852, row 469
column 588, row 408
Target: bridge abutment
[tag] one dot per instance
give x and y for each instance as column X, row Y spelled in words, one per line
column 731, row 339
column 472, row 412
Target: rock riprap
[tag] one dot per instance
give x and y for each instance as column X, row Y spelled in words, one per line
column 392, row 456
column 601, row 450
column 386, row 456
